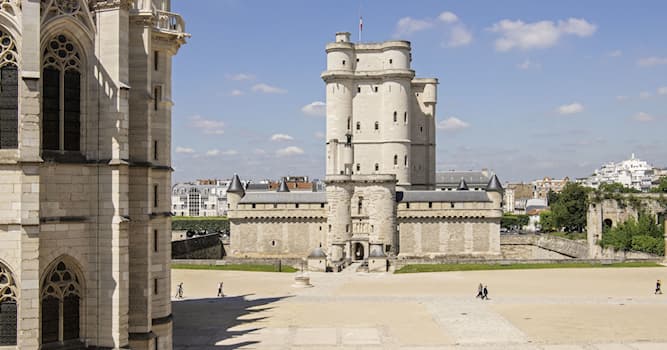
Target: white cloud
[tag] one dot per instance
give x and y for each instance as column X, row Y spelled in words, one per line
column 184, row 150
column 319, row 135
column 217, row 152
column 643, row 117
column 615, row 53
column 459, row 36
column 317, row 108
column 208, row 126
column 448, row 17
column 409, row 25
column 528, row 64
column 259, row 151
column 289, row 151
column 572, row 108
column 651, row 61
column 236, row 92
column 268, row 89
column 622, row 98
column 241, row 77
column 281, row 137
column 662, row 90
column 538, row 35
column 645, row 95
column 451, row 124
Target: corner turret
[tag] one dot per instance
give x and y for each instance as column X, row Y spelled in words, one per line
column 235, row 192
column 495, row 190
column 283, row 186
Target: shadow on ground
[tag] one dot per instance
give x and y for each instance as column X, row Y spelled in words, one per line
column 206, row 323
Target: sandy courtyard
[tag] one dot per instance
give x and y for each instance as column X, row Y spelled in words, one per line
column 559, row 309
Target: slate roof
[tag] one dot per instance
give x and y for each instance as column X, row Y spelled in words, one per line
column 236, row 186
column 442, row 196
column 284, row 197
column 452, row 178
column 283, row 187
column 494, row 185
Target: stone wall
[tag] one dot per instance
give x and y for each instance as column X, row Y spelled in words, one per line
column 201, row 247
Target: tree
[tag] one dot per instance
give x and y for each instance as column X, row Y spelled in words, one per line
column 644, row 235
column 616, row 187
column 547, row 221
column 512, row 221
column 662, row 186
column 552, row 197
column 569, row 211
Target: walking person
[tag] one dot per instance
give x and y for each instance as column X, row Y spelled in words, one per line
column 220, row 290
column 658, row 289
column 179, row 291
column 485, row 293
column 480, row 291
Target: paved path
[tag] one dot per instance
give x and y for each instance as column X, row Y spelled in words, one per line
column 570, row 309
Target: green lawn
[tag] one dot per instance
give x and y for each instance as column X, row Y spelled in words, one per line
column 476, row 267
column 234, row 267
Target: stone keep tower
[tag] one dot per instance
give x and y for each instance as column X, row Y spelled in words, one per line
column 379, row 117
column 85, row 173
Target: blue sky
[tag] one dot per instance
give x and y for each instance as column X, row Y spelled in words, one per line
column 527, row 88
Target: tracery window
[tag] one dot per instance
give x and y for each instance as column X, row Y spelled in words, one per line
column 8, row 307
column 8, row 92
column 61, row 95
column 61, row 296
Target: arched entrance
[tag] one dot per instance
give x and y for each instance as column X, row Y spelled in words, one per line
column 61, row 303
column 8, row 307
column 358, row 250
column 607, row 224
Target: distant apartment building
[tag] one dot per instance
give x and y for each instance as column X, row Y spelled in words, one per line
column 515, row 197
column 298, row 183
column 542, row 187
column 633, row 173
column 202, row 198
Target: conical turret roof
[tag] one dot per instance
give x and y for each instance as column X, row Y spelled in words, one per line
column 463, row 186
column 236, row 186
column 283, row 186
column 494, row 185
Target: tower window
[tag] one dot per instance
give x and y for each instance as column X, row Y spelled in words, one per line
column 358, row 167
column 155, row 144
column 296, row 205
column 155, row 194
column 158, row 97
column 421, row 129
column 358, row 88
column 156, row 60
column 405, row 117
column 349, row 123
column 430, row 205
column 395, row 159
column 358, row 125
column 343, row 62
column 391, row 61
column 376, row 89
column 155, row 284
column 395, row 116
column 405, row 161
column 357, row 60
column 8, row 93
column 377, row 167
column 377, row 126
column 61, row 95
column 155, row 240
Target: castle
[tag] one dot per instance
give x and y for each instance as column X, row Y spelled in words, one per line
column 380, row 200
column 85, row 173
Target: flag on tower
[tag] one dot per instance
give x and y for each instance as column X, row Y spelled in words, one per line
column 361, row 26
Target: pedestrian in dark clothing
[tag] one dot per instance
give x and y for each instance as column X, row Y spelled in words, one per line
column 220, row 290
column 485, row 293
column 658, row 286
column 179, row 292
column 480, row 291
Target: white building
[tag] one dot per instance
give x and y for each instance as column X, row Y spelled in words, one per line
column 202, row 198
column 633, row 173
column 380, row 118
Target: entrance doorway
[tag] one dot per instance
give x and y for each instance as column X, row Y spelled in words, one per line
column 359, row 253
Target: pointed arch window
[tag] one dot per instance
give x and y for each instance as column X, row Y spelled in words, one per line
column 61, row 304
column 395, row 159
column 9, row 97
column 395, row 116
column 8, row 307
column 61, row 95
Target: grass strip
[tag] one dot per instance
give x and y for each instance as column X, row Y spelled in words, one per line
column 479, row 267
column 235, row 267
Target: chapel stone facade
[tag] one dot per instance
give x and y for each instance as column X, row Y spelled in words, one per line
column 85, row 173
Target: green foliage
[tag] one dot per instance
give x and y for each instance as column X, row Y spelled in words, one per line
column 236, row 267
column 662, row 186
column 547, row 221
column 476, row 267
column 643, row 235
column 569, row 211
column 617, row 188
column 512, row 221
column 210, row 224
column 552, row 197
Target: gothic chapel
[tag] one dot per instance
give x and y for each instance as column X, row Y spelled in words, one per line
column 85, row 173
